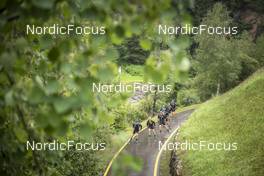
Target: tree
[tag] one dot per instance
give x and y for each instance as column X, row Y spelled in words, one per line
column 130, row 52
column 259, row 50
column 46, row 80
column 221, row 61
column 246, row 51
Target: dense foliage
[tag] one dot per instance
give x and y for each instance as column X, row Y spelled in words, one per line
column 130, row 52
column 46, row 79
column 222, row 61
column 235, row 6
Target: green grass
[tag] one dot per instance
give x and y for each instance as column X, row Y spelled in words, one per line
column 235, row 117
column 166, row 155
column 164, row 166
column 127, row 78
column 132, row 73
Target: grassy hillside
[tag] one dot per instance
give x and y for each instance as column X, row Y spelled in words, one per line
column 235, row 117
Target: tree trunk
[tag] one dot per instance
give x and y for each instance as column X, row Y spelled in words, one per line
column 218, row 88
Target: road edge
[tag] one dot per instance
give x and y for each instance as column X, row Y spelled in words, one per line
column 120, row 150
column 117, row 153
column 156, row 166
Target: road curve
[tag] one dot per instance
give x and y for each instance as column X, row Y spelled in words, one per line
column 147, row 148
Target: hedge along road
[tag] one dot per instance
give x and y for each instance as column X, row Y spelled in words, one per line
column 148, row 149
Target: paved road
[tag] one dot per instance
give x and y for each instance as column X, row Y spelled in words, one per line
column 147, row 148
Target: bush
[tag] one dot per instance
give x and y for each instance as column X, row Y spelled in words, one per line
column 120, row 119
column 134, row 113
column 187, row 97
column 134, row 70
column 85, row 162
column 259, row 50
column 145, row 105
column 127, row 114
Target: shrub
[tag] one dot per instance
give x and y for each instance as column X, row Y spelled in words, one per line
column 187, row 97
column 134, row 70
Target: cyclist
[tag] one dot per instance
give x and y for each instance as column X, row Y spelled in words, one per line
column 151, row 127
column 136, row 128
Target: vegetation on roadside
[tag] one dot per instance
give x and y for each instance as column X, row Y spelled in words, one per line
column 235, row 117
column 222, row 62
column 46, row 80
column 166, row 156
column 131, row 73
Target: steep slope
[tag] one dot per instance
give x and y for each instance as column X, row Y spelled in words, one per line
column 235, row 117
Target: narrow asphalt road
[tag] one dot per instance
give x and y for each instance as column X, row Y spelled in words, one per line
column 147, row 148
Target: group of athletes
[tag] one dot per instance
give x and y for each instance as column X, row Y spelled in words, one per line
column 163, row 121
